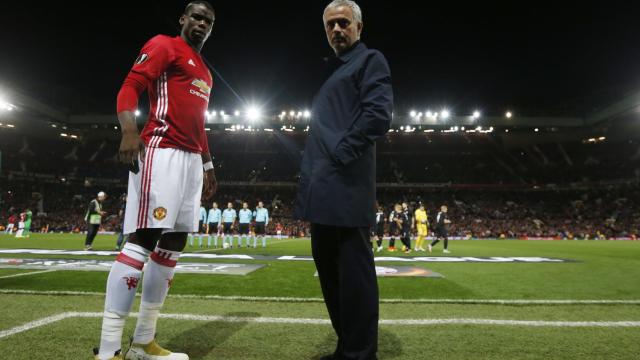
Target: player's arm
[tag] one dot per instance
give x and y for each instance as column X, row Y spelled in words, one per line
column 153, row 60
column 210, row 183
column 266, row 221
column 131, row 145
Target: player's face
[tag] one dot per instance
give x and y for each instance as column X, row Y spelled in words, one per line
column 245, row 206
column 197, row 24
column 215, row 205
column 342, row 31
column 260, row 204
column 229, row 205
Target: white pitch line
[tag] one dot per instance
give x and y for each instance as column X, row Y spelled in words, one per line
column 528, row 323
column 303, row 321
column 34, row 324
column 320, row 300
column 26, row 274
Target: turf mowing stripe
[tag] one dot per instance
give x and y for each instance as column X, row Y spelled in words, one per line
column 303, row 321
column 25, row 274
column 320, row 300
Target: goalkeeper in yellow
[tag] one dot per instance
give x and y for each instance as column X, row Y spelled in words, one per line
column 422, row 224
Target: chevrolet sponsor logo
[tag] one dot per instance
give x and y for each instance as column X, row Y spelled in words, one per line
column 202, row 86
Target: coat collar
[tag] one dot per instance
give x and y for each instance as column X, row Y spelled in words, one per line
column 357, row 48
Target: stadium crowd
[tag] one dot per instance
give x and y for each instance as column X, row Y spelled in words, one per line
column 560, row 214
column 488, row 185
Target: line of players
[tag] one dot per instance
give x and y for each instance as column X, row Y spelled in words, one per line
column 401, row 224
column 220, row 224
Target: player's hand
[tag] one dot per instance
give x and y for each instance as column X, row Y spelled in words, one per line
column 210, row 185
column 130, row 147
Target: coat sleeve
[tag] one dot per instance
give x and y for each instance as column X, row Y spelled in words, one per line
column 376, row 97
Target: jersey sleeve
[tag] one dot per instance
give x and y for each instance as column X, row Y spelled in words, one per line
column 156, row 55
column 154, row 58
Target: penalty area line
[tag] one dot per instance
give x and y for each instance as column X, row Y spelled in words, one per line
column 320, row 300
column 27, row 274
column 304, row 321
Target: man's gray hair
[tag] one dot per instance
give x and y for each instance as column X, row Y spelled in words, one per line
column 355, row 8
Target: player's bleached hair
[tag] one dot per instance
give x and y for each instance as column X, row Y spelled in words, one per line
column 355, row 8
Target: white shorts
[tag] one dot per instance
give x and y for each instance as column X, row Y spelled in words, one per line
column 165, row 193
column 10, row 226
column 20, row 225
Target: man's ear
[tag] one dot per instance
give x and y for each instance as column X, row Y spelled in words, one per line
column 360, row 26
column 182, row 19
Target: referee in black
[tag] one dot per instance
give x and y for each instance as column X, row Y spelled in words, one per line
column 441, row 230
column 337, row 190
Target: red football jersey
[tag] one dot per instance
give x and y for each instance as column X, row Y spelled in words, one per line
column 179, row 88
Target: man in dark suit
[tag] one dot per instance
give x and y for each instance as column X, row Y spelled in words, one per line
column 337, row 193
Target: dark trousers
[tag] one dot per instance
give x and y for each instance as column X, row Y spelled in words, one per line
column 441, row 235
column 92, row 231
column 406, row 238
column 347, row 273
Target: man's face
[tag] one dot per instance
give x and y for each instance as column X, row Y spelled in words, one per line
column 398, row 208
column 245, row 206
column 405, row 206
column 101, row 198
column 443, row 209
column 342, row 31
column 215, row 205
column 260, row 204
column 229, row 205
column 197, row 24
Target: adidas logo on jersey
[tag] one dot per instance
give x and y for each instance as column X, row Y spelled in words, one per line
column 190, row 62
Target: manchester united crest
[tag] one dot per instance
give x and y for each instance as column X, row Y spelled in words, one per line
column 160, row 213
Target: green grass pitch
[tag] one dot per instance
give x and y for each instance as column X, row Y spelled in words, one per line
column 602, row 270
